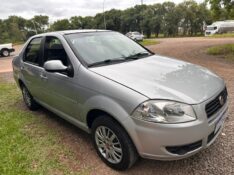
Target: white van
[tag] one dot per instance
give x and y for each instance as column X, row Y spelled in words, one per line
column 220, row 27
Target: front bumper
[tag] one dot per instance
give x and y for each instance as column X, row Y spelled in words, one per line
column 176, row 141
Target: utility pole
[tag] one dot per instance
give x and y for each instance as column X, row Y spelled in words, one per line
column 104, row 16
column 142, row 32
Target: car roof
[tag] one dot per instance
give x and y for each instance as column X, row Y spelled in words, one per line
column 65, row 32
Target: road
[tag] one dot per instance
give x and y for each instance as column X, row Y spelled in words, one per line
column 218, row 159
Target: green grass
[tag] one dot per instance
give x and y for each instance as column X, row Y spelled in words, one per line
column 225, row 35
column 148, row 42
column 27, row 145
column 226, row 50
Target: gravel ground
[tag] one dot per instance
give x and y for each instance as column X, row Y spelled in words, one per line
column 217, row 159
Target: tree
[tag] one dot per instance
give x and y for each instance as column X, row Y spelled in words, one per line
column 87, row 22
column 146, row 23
column 157, row 18
column 63, row 24
column 222, row 9
column 113, row 20
column 98, row 21
column 168, row 18
column 76, row 22
column 41, row 23
column 171, row 19
column 193, row 17
column 12, row 29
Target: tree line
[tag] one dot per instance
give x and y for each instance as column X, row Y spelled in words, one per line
column 169, row 19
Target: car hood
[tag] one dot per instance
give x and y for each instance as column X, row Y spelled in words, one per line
column 159, row 77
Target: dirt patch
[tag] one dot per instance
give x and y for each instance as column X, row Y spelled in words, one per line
column 6, row 77
column 218, row 159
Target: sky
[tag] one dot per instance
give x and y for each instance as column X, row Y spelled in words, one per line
column 59, row 9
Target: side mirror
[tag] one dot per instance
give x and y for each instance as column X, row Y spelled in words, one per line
column 55, row 66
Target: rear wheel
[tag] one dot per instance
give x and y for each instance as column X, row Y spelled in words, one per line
column 5, row 53
column 113, row 144
column 28, row 99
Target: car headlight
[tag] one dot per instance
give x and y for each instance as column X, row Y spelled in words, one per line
column 159, row 111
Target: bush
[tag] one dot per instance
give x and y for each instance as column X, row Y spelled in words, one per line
column 226, row 50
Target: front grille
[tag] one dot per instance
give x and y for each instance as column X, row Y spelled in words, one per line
column 213, row 106
column 181, row 150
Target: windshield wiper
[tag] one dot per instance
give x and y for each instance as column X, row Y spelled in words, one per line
column 138, row 55
column 107, row 61
column 122, row 59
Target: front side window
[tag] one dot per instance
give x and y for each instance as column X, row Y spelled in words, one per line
column 32, row 53
column 54, row 50
column 99, row 47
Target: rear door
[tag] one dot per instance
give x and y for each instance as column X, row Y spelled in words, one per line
column 31, row 67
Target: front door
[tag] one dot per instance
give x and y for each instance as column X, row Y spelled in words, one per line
column 59, row 87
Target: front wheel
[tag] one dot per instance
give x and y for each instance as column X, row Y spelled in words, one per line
column 113, row 144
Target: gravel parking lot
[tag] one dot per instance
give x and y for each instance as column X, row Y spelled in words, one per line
column 218, row 159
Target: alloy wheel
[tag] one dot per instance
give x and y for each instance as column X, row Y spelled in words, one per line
column 108, row 144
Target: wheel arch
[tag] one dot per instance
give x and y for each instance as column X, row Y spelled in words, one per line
column 95, row 113
column 4, row 49
column 20, row 83
column 103, row 105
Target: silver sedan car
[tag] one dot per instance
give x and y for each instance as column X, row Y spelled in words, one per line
column 136, row 36
column 133, row 102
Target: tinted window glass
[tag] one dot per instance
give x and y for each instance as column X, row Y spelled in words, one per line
column 54, row 50
column 32, row 53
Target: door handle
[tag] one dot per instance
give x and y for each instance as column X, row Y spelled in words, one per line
column 43, row 77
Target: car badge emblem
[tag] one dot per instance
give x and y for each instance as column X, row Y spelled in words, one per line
column 221, row 100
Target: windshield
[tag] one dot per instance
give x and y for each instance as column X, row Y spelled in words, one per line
column 98, row 47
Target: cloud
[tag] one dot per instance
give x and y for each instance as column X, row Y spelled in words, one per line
column 58, row 9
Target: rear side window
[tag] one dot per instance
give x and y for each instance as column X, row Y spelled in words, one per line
column 32, row 53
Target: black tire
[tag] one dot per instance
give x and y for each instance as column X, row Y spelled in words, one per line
column 28, row 99
column 129, row 153
column 5, row 53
